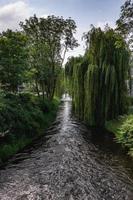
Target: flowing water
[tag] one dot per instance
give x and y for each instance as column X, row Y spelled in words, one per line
column 72, row 162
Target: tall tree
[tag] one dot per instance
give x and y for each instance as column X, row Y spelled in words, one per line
column 125, row 27
column 49, row 38
column 125, row 22
column 13, row 59
column 75, row 71
column 98, row 81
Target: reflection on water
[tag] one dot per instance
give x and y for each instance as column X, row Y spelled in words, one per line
column 72, row 162
column 66, row 97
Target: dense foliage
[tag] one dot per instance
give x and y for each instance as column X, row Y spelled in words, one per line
column 99, row 78
column 22, row 118
column 31, row 61
column 123, row 130
column 125, row 22
column 13, row 60
column 49, row 40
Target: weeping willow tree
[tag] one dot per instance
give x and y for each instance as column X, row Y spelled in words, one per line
column 106, row 89
column 98, row 80
column 75, row 71
column 71, row 72
column 60, row 83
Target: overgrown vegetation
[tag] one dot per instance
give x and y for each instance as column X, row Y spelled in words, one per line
column 48, row 41
column 98, row 80
column 123, row 130
column 23, row 117
column 31, row 76
column 125, row 22
column 31, row 60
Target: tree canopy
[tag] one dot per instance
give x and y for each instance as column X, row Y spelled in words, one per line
column 49, row 40
column 99, row 78
column 13, row 59
column 125, row 22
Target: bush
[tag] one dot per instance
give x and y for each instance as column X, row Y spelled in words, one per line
column 23, row 116
column 123, row 129
column 125, row 132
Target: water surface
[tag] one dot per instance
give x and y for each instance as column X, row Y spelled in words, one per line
column 72, row 162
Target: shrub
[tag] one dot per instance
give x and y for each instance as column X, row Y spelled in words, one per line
column 23, row 117
column 123, row 130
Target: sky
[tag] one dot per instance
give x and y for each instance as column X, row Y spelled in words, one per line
column 84, row 12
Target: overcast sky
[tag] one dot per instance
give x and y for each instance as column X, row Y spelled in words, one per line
column 84, row 12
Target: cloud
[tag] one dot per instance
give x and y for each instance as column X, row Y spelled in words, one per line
column 11, row 14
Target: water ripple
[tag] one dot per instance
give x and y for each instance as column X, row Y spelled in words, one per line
column 71, row 163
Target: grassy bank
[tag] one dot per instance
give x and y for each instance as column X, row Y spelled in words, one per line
column 23, row 118
column 123, row 130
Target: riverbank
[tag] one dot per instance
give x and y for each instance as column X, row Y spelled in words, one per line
column 123, row 130
column 23, row 118
column 69, row 164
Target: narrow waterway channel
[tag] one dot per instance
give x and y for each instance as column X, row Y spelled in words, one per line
column 71, row 163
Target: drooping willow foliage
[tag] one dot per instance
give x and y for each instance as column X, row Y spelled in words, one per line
column 98, row 80
column 75, row 72
column 60, row 83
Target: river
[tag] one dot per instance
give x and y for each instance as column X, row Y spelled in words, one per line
column 72, row 162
